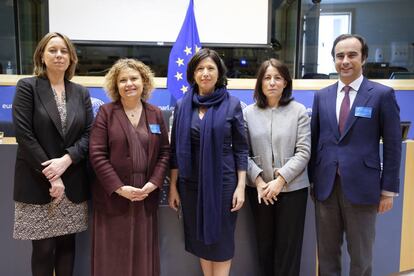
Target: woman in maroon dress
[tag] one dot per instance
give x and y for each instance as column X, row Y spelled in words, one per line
column 129, row 151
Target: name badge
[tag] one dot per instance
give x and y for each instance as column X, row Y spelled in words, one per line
column 363, row 111
column 155, row 128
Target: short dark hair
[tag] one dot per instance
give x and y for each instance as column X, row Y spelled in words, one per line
column 39, row 69
column 259, row 96
column 197, row 58
column 364, row 45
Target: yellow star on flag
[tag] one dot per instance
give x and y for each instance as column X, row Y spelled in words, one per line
column 184, row 88
column 187, row 50
column 180, row 61
column 179, row 76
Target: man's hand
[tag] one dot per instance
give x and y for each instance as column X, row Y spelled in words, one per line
column 385, row 204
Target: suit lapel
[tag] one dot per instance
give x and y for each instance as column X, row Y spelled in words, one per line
column 123, row 120
column 48, row 100
column 71, row 104
column 151, row 119
column 361, row 99
column 330, row 105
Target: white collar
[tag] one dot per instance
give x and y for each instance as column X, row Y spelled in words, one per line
column 354, row 85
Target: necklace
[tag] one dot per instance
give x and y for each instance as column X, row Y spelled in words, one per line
column 132, row 112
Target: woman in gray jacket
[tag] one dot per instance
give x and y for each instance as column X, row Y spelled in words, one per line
column 279, row 135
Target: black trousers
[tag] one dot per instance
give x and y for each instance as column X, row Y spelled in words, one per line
column 279, row 232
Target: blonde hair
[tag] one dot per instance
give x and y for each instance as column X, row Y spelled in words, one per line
column 40, row 68
column 111, row 78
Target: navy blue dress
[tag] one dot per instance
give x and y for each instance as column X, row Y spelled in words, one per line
column 235, row 152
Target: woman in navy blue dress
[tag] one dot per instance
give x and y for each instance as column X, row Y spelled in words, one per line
column 209, row 157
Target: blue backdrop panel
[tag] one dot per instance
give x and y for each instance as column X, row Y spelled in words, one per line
column 163, row 99
column 6, row 99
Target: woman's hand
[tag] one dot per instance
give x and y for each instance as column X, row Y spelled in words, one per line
column 149, row 187
column 273, row 189
column 261, row 186
column 56, row 167
column 57, row 188
column 238, row 195
column 132, row 193
column 174, row 198
column 238, row 198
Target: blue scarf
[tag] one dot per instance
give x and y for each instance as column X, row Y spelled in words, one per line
column 210, row 177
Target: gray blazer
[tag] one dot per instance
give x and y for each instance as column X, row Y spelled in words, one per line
column 285, row 132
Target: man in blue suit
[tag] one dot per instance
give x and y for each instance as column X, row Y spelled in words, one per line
column 349, row 118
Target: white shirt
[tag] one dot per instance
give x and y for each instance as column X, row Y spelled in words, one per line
column 340, row 94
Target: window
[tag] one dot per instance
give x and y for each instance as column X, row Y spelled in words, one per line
column 331, row 25
column 386, row 25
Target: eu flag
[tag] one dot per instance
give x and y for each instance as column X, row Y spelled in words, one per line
column 185, row 46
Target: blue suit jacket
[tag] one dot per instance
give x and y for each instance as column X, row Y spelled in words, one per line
column 356, row 152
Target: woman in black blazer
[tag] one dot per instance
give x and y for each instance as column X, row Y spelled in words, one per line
column 52, row 117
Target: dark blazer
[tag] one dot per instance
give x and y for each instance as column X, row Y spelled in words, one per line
column 40, row 138
column 356, row 152
column 110, row 157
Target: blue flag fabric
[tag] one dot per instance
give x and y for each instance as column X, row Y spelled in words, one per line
column 185, row 46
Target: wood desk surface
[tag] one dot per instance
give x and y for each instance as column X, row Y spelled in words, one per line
column 8, row 141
